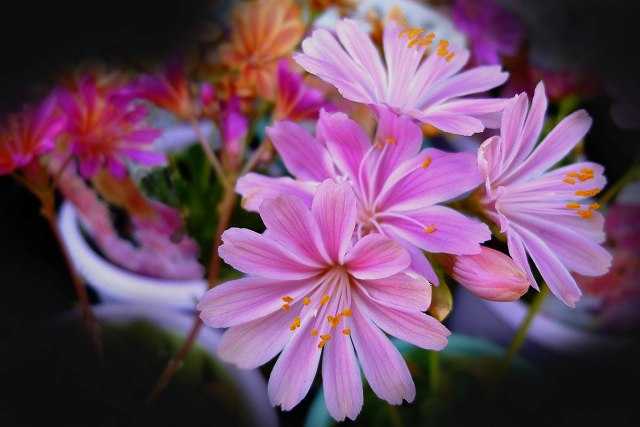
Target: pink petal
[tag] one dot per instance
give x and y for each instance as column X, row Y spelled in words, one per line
column 290, row 223
column 556, row 275
column 554, row 147
column 302, row 154
column 242, row 300
column 255, row 189
column 533, row 125
column 293, row 373
column 334, row 209
column 446, row 176
column 401, row 290
column 420, row 264
column 252, row 253
column 376, row 256
column 455, row 123
column 439, row 229
column 346, row 141
column 245, row 345
column 402, row 62
column 519, row 256
column 413, row 327
column 513, row 121
column 381, row 362
column 341, row 381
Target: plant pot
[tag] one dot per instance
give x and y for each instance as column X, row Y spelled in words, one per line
column 113, row 283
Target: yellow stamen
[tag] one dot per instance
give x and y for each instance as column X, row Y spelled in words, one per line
column 426, row 162
column 306, row 301
column 588, row 193
column 586, row 214
column 585, row 174
column 573, row 205
column 314, row 332
column 569, row 180
column 346, row 331
column 450, row 56
column 286, row 307
column 411, row 33
column 287, row 299
column 324, row 300
column 323, row 340
column 295, row 324
column 346, row 312
column 333, row 320
column 429, row 228
column 594, row 206
column 573, row 174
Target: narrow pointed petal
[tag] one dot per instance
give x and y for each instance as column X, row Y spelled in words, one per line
column 346, row 141
column 376, row 256
column 519, row 256
column 341, row 381
column 334, row 209
column 255, row 189
column 400, row 290
column 382, row 364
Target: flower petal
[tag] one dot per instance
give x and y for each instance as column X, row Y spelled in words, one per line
column 401, row 290
column 334, row 209
column 243, row 300
column 341, row 381
column 376, row 256
column 255, row 189
column 381, row 362
column 252, row 253
column 302, row 154
column 413, row 327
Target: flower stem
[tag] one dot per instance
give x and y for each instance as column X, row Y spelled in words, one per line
column 211, row 156
column 434, row 372
column 255, row 157
column 523, row 329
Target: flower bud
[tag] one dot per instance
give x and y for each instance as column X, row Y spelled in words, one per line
column 490, row 274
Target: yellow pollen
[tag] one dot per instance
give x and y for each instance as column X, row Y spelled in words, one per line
column 323, row 340
column 569, row 180
column 573, row 205
column 390, row 140
column 346, row 312
column 346, row 331
column 314, row 332
column 411, row 33
column 306, row 301
column 286, row 307
column 429, row 228
column 588, row 193
column 426, row 162
column 324, row 300
column 573, row 174
column 594, row 206
column 586, row 214
column 287, row 299
column 450, row 56
column 333, row 320
column 295, row 324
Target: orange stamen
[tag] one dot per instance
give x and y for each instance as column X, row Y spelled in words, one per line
column 287, row 299
column 426, row 162
column 306, row 301
column 573, row 205
column 324, row 300
column 346, row 312
column 346, row 331
column 588, row 193
column 429, row 228
column 295, row 324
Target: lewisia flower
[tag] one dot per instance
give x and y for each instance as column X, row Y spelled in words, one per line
column 314, row 291
column 294, row 99
column 492, row 29
column 431, row 91
column 104, row 128
column 399, row 186
column 28, row 134
column 545, row 214
column 263, row 31
column 233, row 127
column 490, row 274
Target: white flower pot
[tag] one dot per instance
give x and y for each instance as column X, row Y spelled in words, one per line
column 114, row 283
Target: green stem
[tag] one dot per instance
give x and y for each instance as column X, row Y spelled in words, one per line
column 434, row 371
column 632, row 174
column 523, row 329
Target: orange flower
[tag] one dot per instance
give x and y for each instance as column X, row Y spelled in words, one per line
column 263, row 31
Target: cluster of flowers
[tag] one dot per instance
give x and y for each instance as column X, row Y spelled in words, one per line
column 342, row 260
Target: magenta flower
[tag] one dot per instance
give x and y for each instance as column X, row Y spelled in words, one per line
column 492, row 29
column 431, row 91
column 233, row 127
column 545, row 214
column 314, row 290
column 398, row 186
column 294, row 99
column 29, row 134
column 491, row 275
column 105, row 128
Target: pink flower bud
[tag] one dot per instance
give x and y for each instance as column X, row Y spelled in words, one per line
column 207, row 94
column 490, row 274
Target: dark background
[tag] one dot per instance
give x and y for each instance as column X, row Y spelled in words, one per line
column 41, row 40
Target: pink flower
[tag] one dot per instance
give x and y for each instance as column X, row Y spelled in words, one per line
column 399, row 187
column 313, row 290
column 294, row 99
column 545, row 214
column 430, row 91
column 27, row 135
column 233, row 127
column 490, row 274
column 105, row 128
